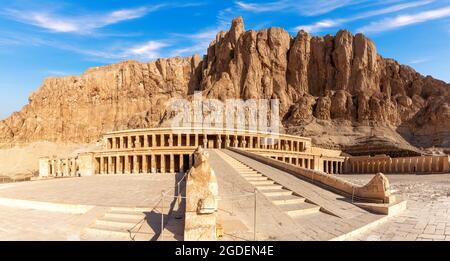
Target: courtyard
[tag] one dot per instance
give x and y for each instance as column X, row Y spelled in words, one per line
column 427, row 216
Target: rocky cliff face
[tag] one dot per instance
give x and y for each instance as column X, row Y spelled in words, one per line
column 337, row 82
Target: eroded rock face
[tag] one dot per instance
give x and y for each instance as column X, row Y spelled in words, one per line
column 120, row 96
column 336, row 79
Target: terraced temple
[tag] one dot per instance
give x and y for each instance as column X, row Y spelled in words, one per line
column 162, row 150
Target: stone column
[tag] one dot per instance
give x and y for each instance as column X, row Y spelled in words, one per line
column 421, row 164
column 114, row 143
column 244, row 143
column 205, row 141
column 436, row 164
column 227, row 141
column 171, row 140
column 127, row 164
column 117, row 167
column 153, row 140
column 163, row 163
column 407, row 165
column 332, row 167
column 135, row 164
column 130, row 142
column 162, row 140
column 110, row 165
column 59, row 167
column 145, row 141
column 102, row 165
column 120, row 142
column 74, row 167
column 250, row 144
column 172, row 163
column 196, row 140
column 152, row 163
column 66, row 167
column 144, row 164
column 181, row 163
column 219, row 142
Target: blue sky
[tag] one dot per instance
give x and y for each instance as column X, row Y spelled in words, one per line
column 56, row 38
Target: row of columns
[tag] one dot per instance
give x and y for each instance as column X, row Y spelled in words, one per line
column 206, row 140
column 297, row 161
column 62, row 167
column 144, row 163
column 424, row 164
column 332, row 166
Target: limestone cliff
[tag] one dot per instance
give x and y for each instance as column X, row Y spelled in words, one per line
column 325, row 83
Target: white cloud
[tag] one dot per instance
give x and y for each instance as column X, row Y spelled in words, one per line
column 317, row 27
column 405, row 20
column 145, row 51
column 199, row 41
column 149, row 50
column 76, row 24
column 305, row 7
column 267, row 7
column 59, row 73
column 419, row 61
column 328, row 23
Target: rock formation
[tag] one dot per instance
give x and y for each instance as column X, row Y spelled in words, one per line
column 331, row 82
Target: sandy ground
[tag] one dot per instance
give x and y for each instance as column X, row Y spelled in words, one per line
column 25, row 159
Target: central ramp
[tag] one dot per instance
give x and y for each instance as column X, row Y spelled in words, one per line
column 308, row 211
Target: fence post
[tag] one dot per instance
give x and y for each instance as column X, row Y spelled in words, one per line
column 162, row 214
column 254, row 217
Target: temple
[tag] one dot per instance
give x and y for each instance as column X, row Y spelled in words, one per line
column 170, row 150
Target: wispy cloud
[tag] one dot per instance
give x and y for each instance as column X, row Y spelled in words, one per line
column 419, row 61
column 59, row 73
column 328, row 23
column 146, row 51
column 198, row 42
column 76, row 24
column 149, row 50
column 305, row 7
column 113, row 52
column 405, row 20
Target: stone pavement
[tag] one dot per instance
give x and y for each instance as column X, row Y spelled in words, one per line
column 427, row 216
column 102, row 195
column 99, row 190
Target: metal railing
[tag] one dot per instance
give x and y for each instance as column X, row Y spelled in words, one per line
column 159, row 200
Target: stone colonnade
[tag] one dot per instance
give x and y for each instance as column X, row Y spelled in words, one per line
column 127, row 141
column 54, row 167
column 327, row 165
column 143, row 163
column 169, row 150
column 333, row 166
column 386, row 164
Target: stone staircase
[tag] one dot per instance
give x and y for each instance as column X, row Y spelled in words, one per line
column 289, row 202
column 121, row 224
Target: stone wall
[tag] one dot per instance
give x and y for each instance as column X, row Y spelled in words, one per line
column 377, row 190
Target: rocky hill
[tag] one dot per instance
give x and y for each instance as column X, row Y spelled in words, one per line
column 332, row 88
